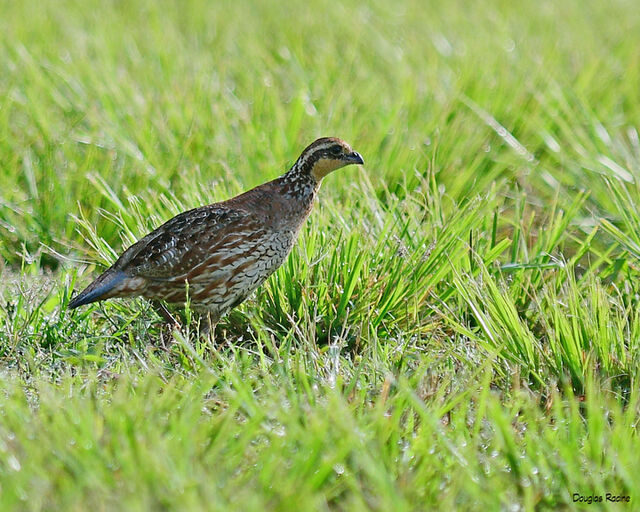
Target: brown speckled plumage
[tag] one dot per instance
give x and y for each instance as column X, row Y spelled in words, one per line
column 225, row 250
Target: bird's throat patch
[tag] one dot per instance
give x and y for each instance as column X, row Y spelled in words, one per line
column 323, row 167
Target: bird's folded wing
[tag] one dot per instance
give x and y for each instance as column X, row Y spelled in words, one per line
column 171, row 251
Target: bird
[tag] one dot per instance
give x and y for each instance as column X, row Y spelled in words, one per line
column 216, row 255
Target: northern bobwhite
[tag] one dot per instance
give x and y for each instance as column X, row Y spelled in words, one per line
column 223, row 251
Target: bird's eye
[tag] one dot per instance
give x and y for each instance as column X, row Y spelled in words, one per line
column 336, row 151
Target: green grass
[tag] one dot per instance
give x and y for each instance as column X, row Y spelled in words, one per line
column 458, row 326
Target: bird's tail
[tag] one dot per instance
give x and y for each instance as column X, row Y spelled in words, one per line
column 99, row 289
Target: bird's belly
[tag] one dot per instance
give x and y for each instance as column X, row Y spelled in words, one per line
column 224, row 281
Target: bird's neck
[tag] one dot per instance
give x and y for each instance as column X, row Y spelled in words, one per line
column 299, row 183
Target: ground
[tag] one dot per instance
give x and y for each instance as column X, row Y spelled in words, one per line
column 458, row 326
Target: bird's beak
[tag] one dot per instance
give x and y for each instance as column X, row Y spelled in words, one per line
column 354, row 158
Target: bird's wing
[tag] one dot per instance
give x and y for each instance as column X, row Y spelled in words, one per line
column 180, row 244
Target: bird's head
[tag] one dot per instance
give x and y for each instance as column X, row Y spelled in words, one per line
column 325, row 155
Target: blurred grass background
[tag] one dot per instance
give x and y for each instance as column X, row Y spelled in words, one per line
column 459, row 315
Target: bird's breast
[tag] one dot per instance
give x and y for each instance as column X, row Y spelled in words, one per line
column 235, row 272
column 248, row 261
